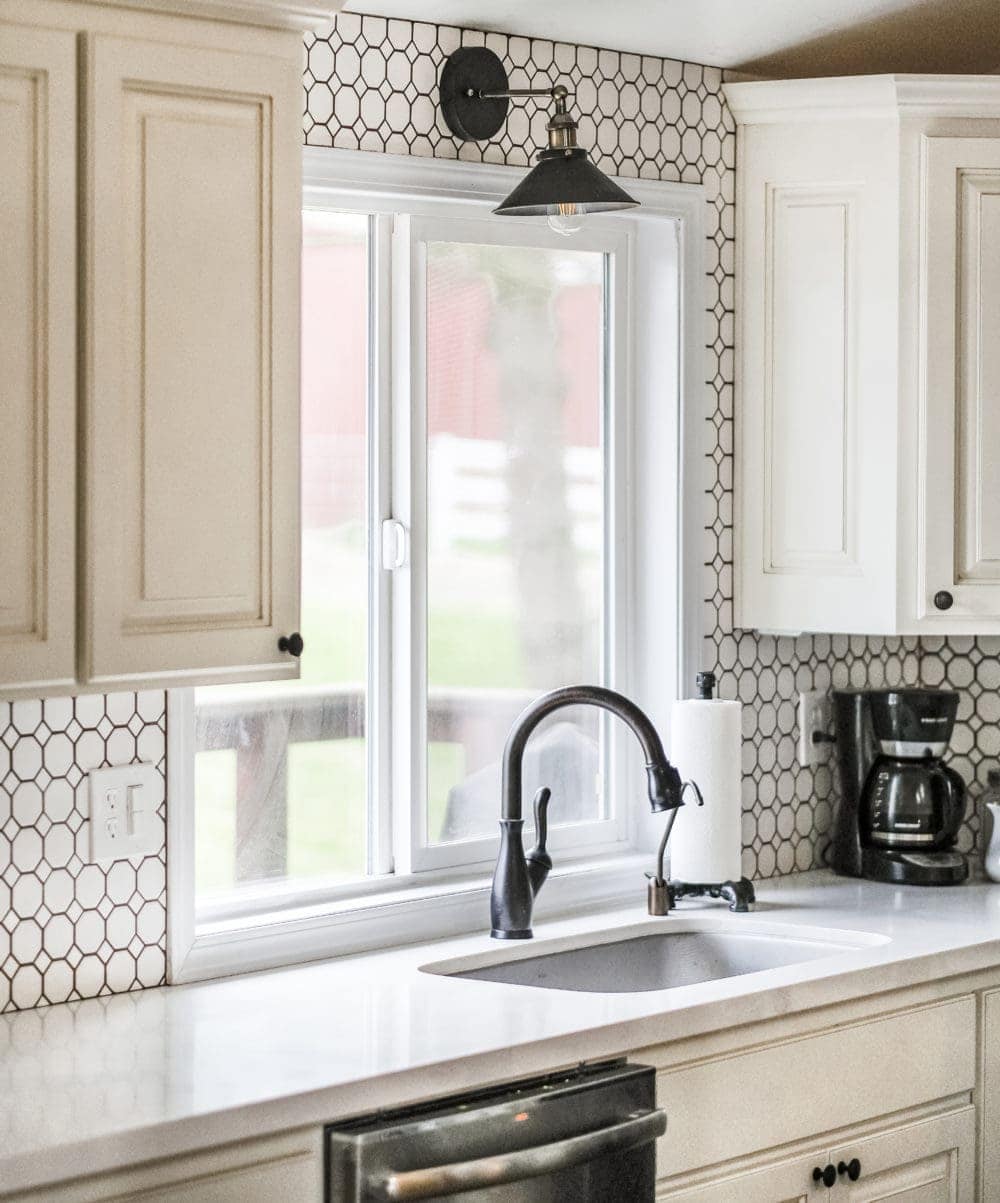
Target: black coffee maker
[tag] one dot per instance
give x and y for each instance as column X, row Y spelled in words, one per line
column 900, row 805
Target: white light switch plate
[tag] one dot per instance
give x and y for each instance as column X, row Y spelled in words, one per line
column 123, row 804
column 815, row 714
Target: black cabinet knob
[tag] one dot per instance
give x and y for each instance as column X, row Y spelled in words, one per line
column 827, row 1175
column 292, row 644
column 851, row 1168
column 943, row 600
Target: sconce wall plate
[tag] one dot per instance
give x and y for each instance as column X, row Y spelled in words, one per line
column 466, row 73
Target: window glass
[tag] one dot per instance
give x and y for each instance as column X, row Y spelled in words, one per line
column 281, row 768
column 516, row 520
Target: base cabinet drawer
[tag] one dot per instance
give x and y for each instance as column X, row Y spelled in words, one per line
column 930, row 1161
column 742, row 1104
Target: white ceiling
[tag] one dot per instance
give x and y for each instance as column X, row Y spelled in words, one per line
column 766, row 37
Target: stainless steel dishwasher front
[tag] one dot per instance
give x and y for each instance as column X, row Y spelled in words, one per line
column 587, row 1135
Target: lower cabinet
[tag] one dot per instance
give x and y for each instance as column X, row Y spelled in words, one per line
column 286, row 1168
column 930, row 1161
column 838, row 1105
column 784, row 1182
column 989, row 1117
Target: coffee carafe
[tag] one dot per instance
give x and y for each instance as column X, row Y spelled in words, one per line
column 901, row 806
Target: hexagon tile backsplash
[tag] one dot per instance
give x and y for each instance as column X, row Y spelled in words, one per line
column 69, row 929
column 370, row 84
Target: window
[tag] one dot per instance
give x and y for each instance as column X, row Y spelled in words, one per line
column 479, row 526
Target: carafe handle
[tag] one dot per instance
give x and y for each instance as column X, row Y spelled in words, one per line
column 956, row 801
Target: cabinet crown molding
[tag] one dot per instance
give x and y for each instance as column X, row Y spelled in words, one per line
column 274, row 14
column 851, row 97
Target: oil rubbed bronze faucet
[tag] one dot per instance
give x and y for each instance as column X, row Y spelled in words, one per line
column 518, row 878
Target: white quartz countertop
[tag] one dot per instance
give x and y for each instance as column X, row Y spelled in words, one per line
column 88, row 1086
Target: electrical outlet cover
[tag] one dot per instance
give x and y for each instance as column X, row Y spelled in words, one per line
column 123, row 802
column 815, row 714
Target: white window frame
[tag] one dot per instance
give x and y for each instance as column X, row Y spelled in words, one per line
column 451, row 222
column 654, row 660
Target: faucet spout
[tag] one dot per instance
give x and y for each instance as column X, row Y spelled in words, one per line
column 517, row 879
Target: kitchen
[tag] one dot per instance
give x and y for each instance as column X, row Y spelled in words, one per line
column 153, row 479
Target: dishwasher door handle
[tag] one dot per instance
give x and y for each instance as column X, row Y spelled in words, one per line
column 639, row 1128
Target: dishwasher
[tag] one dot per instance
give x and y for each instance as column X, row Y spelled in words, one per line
column 586, row 1135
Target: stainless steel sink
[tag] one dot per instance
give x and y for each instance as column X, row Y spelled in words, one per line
column 682, row 955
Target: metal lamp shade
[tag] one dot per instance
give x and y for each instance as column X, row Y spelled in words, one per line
column 561, row 181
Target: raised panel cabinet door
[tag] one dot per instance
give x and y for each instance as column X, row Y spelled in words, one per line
column 989, row 1103
column 960, row 434
column 193, row 230
column 928, row 1162
column 287, row 1167
column 787, row 1182
column 38, row 357
column 816, row 507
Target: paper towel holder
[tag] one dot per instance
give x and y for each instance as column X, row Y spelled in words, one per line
column 739, row 894
column 662, row 895
column 705, row 683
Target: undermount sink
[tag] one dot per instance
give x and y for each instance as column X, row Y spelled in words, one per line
column 625, row 962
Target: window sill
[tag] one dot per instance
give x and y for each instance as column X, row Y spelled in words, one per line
column 406, row 914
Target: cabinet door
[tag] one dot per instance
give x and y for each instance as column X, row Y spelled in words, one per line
column 960, row 478
column 285, row 1167
column 817, row 381
column 193, row 227
column 38, row 354
column 989, row 1118
column 787, row 1182
column 928, row 1162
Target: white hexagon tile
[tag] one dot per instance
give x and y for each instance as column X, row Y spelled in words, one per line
column 70, row 929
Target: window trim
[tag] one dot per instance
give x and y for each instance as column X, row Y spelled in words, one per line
column 331, row 921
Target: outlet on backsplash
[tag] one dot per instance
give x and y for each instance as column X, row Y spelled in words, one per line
column 815, row 720
column 123, row 802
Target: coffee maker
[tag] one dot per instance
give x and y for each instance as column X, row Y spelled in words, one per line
column 900, row 805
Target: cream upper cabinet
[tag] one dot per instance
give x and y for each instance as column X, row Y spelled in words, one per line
column 38, row 341
column 164, row 548
column 192, row 358
column 960, row 449
column 868, row 379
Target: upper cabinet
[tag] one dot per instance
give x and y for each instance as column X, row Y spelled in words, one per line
column 960, row 453
column 869, row 359
column 149, row 493
column 38, row 341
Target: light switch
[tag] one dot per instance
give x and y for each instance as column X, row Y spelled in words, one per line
column 123, row 803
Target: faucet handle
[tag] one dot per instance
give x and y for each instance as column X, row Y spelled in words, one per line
column 538, row 859
column 697, row 792
column 540, row 806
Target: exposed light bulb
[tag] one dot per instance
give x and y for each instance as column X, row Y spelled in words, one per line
column 569, row 220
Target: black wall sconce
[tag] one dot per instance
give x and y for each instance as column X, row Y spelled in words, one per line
column 563, row 185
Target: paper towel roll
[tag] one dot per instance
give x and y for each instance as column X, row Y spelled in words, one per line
column 706, row 842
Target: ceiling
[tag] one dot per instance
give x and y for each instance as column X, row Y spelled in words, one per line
column 771, row 38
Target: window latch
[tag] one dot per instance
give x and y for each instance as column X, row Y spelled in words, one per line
column 395, row 544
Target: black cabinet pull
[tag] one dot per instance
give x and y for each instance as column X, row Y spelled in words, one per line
column 851, row 1168
column 943, row 600
column 827, row 1175
column 292, row 644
